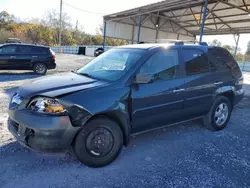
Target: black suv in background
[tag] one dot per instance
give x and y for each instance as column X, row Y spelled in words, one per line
column 124, row 91
column 16, row 56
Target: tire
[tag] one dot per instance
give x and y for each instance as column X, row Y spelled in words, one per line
column 99, row 143
column 214, row 120
column 40, row 68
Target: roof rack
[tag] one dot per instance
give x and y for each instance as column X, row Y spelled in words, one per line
column 180, row 42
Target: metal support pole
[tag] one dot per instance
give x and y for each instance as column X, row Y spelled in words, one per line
column 133, row 31
column 237, row 43
column 156, row 35
column 104, row 34
column 60, row 28
column 139, row 29
column 203, row 19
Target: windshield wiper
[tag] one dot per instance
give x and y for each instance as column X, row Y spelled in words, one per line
column 83, row 74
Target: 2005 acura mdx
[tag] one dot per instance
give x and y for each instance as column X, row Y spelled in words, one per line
column 125, row 90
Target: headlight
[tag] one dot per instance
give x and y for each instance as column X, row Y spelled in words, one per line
column 46, row 105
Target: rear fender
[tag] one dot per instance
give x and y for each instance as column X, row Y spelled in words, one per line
column 224, row 89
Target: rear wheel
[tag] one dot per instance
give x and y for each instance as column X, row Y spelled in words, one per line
column 219, row 114
column 99, row 142
column 40, row 68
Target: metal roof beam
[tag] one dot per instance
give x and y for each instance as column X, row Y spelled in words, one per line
column 226, row 16
column 164, row 30
column 215, row 24
column 222, row 21
column 216, row 10
column 166, row 17
column 245, row 4
column 194, row 17
column 228, row 22
column 145, row 19
column 211, row 10
column 235, row 6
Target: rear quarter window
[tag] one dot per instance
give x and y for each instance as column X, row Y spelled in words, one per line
column 196, row 62
column 222, row 60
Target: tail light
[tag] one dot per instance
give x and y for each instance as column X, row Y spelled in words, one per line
column 53, row 54
column 239, row 82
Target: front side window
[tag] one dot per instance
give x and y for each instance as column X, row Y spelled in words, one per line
column 162, row 65
column 8, row 50
column 196, row 62
column 113, row 64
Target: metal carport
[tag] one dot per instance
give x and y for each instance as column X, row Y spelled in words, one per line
column 179, row 19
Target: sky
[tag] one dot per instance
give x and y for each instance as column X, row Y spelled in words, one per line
column 27, row 9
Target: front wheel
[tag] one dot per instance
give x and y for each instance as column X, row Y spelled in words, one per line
column 99, row 142
column 40, row 68
column 219, row 115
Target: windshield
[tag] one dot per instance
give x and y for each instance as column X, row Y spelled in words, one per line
column 112, row 65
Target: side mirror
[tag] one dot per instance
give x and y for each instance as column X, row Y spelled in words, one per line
column 143, row 78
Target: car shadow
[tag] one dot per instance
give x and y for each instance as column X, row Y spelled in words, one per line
column 14, row 153
column 17, row 76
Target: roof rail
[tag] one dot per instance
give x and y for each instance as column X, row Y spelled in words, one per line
column 180, row 42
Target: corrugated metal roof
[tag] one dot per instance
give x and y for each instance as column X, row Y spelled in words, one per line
column 223, row 16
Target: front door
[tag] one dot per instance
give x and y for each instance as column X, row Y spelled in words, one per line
column 160, row 102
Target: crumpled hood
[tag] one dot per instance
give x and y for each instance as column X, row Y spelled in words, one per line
column 52, row 86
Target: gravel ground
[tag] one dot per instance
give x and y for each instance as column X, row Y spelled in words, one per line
column 185, row 155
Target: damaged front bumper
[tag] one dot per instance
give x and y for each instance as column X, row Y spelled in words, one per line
column 44, row 133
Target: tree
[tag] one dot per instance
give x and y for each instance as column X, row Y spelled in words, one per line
column 239, row 57
column 248, row 46
column 247, row 54
column 46, row 31
column 215, row 42
column 229, row 48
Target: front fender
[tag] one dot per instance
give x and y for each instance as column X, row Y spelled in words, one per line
column 111, row 102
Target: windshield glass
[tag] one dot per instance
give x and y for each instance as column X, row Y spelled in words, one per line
column 113, row 64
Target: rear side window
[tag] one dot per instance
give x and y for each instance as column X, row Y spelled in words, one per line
column 31, row 50
column 25, row 49
column 196, row 62
column 222, row 60
column 163, row 64
column 36, row 50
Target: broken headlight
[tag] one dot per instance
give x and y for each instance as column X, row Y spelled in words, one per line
column 46, row 105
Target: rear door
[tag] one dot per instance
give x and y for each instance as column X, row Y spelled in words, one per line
column 7, row 57
column 199, row 82
column 28, row 55
column 160, row 102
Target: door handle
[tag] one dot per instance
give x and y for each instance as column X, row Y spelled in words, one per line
column 178, row 90
column 217, row 83
column 12, row 56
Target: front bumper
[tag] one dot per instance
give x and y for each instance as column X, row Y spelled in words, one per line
column 44, row 133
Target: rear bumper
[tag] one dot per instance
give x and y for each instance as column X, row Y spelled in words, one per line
column 43, row 133
column 239, row 94
column 51, row 65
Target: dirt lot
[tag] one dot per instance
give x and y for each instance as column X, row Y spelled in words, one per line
column 185, row 155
